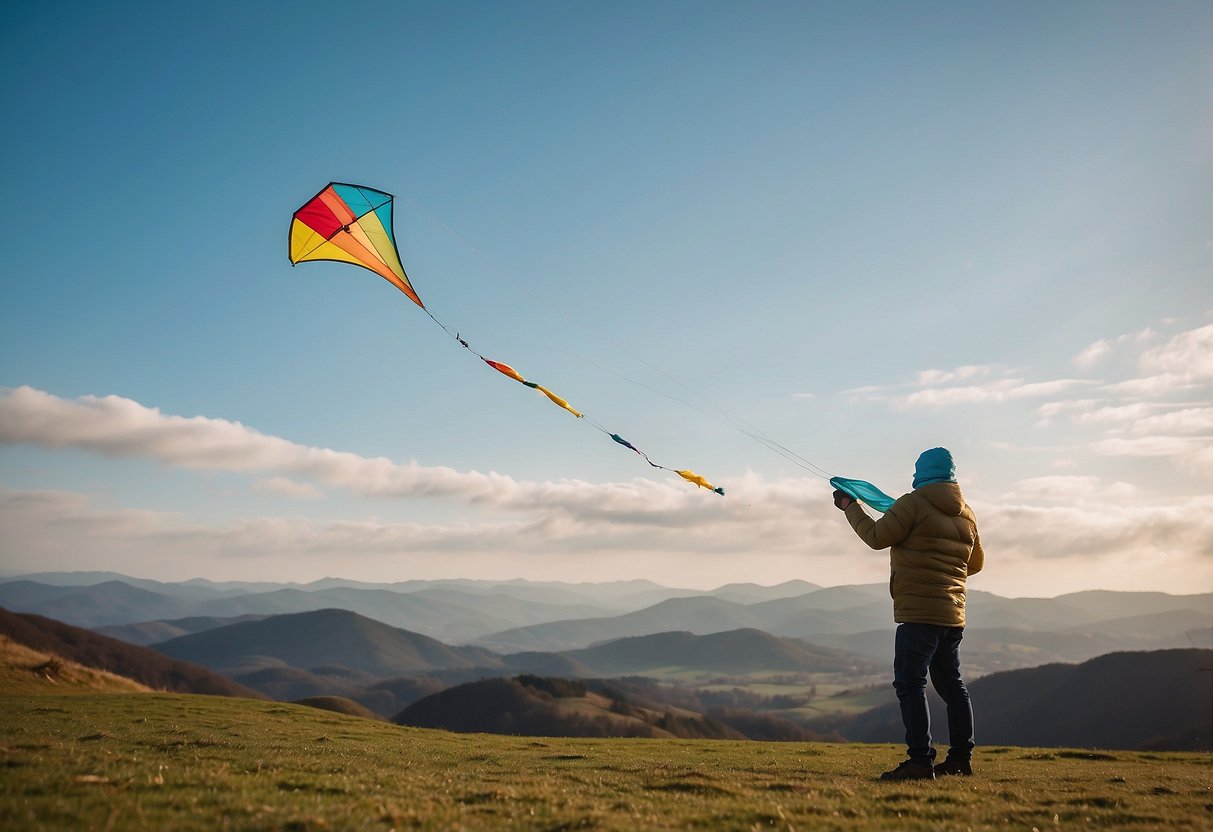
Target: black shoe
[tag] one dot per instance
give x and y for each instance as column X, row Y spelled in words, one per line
column 910, row 770
column 953, row 766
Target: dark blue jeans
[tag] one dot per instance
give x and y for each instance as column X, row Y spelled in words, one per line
column 923, row 649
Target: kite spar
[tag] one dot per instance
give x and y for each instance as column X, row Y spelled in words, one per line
column 353, row 224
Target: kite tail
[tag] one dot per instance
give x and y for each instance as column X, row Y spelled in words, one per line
column 507, row 370
column 510, row 372
column 625, row 443
column 556, row 400
column 691, row 476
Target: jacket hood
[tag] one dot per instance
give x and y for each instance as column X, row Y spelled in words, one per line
column 944, row 496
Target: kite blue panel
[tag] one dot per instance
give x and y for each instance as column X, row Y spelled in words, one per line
column 384, row 212
column 865, row 491
column 361, row 200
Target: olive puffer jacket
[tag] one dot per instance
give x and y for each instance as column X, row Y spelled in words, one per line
column 935, row 547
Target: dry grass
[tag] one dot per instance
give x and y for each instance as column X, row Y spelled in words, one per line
column 28, row 671
column 159, row 761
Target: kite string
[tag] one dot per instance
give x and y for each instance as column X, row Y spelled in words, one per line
column 728, row 421
column 724, row 418
column 592, row 422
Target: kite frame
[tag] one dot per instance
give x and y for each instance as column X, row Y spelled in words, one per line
column 314, row 197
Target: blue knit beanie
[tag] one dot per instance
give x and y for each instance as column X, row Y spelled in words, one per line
column 935, row 465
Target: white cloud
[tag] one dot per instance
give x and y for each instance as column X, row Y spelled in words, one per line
column 116, row 426
column 572, row 513
column 996, row 391
column 1184, row 362
column 286, row 487
column 119, row 427
column 1148, row 446
column 1102, row 349
column 1187, row 355
column 1092, row 355
column 935, row 377
column 1154, row 405
column 1069, row 489
column 1184, row 421
column 1181, row 364
column 1136, row 417
column 1098, row 529
column 570, row 529
column 1161, row 384
column 1090, row 412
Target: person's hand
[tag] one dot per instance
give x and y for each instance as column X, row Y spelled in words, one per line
column 842, row 499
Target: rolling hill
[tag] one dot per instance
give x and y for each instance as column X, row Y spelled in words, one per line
column 697, row 614
column 1141, row 700
column 336, row 638
column 988, row 650
column 288, row 684
column 524, row 617
column 536, row 706
column 142, row 664
column 338, row 705
column 734, row 652
column 152, row 632
column 24, row 670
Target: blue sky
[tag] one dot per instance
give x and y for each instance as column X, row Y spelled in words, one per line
column 864, row 228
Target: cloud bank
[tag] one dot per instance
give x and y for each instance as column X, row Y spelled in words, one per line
column 572, row 514
column 1151, row 400
column 1074, row 527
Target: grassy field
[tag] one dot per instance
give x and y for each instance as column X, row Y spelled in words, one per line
column 161, row 761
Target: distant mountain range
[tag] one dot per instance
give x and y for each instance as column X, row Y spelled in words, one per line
column 90, row 599
column 513, row 617
column 449, row 614
column 1158, row 700
column 835, row 610
column 332, row 641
